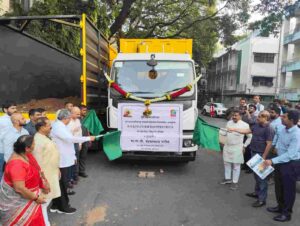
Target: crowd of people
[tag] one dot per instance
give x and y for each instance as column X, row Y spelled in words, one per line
column 40, row 163
column 274, row 134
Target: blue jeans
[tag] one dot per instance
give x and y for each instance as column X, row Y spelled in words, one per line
column 261, row 186
column 1, row 164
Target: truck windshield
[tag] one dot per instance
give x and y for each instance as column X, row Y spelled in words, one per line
column 133, row 76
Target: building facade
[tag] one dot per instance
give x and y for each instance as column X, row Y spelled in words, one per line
column 249, row 67
column 6, row 6
column 290, row 70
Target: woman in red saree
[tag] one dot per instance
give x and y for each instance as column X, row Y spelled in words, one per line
column 20, row 189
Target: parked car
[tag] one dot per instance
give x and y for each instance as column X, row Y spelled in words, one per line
column 220, row 109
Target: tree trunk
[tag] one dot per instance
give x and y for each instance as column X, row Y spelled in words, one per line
column 117, row 25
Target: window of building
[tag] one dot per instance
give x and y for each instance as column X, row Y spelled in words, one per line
column 264, row 57
column 262, row 81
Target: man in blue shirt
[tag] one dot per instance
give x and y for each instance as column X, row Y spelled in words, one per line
column 34, row 115
column 276, row 122
column 8, row 108
column 288, row 159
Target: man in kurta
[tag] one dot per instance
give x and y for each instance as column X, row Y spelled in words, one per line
column 233, row 150
column 47, row 155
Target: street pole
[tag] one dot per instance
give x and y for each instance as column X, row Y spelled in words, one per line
column 278, row 64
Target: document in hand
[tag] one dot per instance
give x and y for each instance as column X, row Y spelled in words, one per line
column 256, row 164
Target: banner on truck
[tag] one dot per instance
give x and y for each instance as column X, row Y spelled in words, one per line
column 159, row 131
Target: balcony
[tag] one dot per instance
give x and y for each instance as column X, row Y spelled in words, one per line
column 292, row 36
column 291, row 65
column 292, row 94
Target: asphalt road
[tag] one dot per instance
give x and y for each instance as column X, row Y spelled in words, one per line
column 178, row 195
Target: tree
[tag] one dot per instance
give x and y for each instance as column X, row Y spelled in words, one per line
column 201, row 20
column 275, row 11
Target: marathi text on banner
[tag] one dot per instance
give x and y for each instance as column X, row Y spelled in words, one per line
column 160, row 131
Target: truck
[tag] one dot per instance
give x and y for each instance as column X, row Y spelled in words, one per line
column 37, row 73
column 148, row 69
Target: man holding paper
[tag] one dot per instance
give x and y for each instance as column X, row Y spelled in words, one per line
column 288, row 159
column 261, row 143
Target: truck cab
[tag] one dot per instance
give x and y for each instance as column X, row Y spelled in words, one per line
column 173, row 71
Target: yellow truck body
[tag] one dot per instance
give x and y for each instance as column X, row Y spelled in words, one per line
column 156, row 46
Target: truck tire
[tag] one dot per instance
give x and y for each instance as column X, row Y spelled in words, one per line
column 204, row 112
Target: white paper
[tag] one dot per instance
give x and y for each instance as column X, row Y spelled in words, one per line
column 161, row 132
column 255, row 163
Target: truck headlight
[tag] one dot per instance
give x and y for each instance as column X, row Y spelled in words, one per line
column 188, row 143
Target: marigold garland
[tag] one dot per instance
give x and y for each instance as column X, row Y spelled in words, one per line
column 147, row 102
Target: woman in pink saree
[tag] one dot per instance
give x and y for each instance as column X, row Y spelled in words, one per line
column 20, row 189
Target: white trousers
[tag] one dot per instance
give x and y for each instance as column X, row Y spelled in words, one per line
column 45, row 213
column 232, row 171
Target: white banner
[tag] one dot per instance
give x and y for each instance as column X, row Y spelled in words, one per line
column 161, row 131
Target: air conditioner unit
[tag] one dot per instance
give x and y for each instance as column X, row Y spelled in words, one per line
column 270, row 84
column 255, row 84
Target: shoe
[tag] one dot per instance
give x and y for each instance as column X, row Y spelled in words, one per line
column 258, row 204
column 53, row 210
column 70, row 192
column 68, row 211
column 225, row 181
column 282, row 218
column 234, row 186
column 83, row 175
column 274, row 209
column 252, row 195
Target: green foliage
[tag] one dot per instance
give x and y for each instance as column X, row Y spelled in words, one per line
column 275, row 10
column 196, row 19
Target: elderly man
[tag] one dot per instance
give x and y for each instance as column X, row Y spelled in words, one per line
column 75, row 128
column 233, row 150
column 12, row 134
column 34, row 115
column 5, row 122
column 261, row 143
column 258, row 105
column 288, row 164
column 65, row 141
column 47, row 155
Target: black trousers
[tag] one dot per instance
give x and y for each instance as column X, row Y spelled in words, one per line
column 82, row 157
column 278, row 186
column 76, row 166
column 62, row 202
column 289, row 173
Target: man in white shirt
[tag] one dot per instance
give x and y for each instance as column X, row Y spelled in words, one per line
column 233, row 150
column 259, row 106
column 64, row 140
column 75, row 127
column 8, row 108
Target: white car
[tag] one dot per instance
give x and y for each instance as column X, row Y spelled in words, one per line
column 219, row 108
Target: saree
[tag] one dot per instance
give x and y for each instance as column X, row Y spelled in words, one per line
column 14, row 209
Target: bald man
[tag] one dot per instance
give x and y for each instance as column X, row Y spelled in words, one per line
column 75, row 128
column 12, row 134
